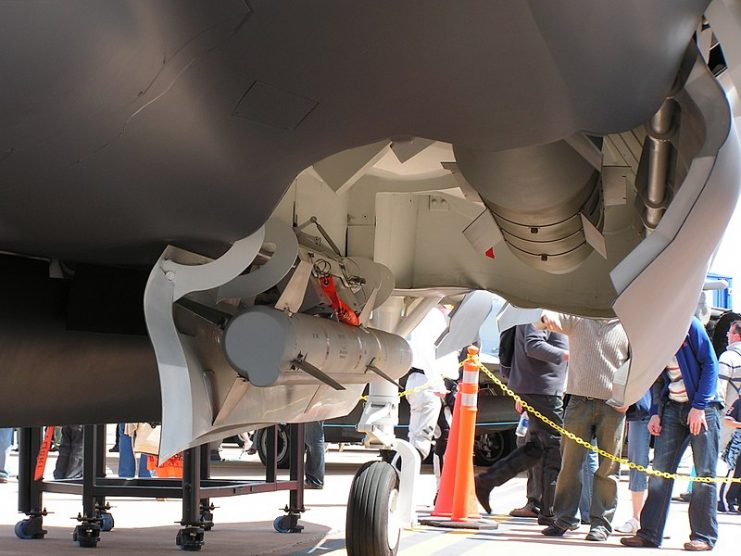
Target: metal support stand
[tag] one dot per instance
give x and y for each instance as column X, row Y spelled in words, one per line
column 195, row 489
column 87, row 533
column 30, row 500
column 206, row 508
column 191, row 536
column 289, row 523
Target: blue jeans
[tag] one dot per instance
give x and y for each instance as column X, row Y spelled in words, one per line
column 668, row 450
column 638, row 444
column 6, row 441
column 314, row 440
column 589, row 418
column 126, row 461
column 587, row 479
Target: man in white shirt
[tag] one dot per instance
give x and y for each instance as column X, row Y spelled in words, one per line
column 597, row 349
column 427, row 369
column 729, row 374
column 729, row 383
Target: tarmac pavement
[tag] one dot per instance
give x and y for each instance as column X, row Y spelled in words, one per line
column 244, row 524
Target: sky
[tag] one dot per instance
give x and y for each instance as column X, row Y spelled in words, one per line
column 727, row 260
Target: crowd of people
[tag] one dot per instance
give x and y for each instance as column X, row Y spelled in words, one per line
column 563, row 366
column 684, row 407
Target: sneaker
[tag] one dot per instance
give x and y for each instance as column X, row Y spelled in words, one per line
column 597, row 534
column 312, row 486
column 526, row 511
column 637, row 541
column 631, row 526
column 696, row 545
column 3, row 480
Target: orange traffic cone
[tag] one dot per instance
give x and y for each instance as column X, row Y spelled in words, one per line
column 456, row 496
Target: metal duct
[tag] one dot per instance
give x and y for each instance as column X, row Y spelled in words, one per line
column 536, row 195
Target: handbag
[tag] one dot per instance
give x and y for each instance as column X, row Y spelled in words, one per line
column 147, row 439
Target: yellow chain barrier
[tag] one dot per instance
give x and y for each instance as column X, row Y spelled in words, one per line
column 531, row 411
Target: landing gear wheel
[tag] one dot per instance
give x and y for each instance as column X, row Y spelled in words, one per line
column 106, row 521
column 190, row 539
column 30, row 528
column 283, row 444
column 371, row 525
column 87, row 535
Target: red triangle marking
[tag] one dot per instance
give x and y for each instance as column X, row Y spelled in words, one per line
column 490, row 253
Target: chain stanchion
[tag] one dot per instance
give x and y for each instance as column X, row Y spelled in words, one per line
column 532, row 412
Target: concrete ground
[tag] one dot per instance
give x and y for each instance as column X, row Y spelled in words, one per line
column 243, row 524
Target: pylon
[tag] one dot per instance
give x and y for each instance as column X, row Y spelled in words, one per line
column 456, row 496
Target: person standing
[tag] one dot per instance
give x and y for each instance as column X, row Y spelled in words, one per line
column 537, row 375
column 6, row 441
column 314, row 441
column 597, row 348
column 426, row 379
column 127, row 462
column 729, row 384
column 729, row 373
column 69, row 461
column 639, row 438
column 729, row 370
column 686, row 409
column 732, row 421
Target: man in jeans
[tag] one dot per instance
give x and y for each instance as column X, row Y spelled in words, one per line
column 686, row 410
column 597, row 349
column 537, row 376
column 314, row 441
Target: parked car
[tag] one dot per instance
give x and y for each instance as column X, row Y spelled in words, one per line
column 496, row 421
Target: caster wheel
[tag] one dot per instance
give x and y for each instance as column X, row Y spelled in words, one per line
column 190, row 539
column 287, row 524
column 21, row 530
column 282, row 524
column 106, row 521
column 27, row 529
column 87, row 535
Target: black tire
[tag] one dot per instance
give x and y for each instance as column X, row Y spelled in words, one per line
column 283, row 454
column 370, row 528
column 488, row 448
